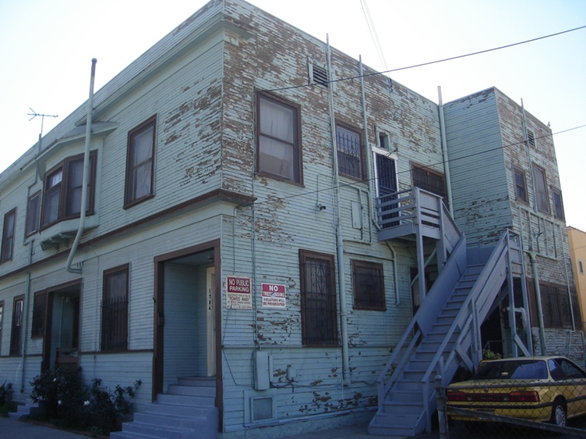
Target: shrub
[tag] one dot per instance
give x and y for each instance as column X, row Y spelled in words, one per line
column 67, row 401
column 6, row 403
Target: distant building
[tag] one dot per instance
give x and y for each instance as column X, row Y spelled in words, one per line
column 270, row 226
column 578, row 252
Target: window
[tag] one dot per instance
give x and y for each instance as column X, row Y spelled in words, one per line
column 520, row 187
column 32, row 213
column 17, row 319
column 429, row 180
column 39, row 305
column 541, row 196
column 140, row 163
column 581, row 267
column 349, row 153
column 279, row 151
column 115, row 309
column 556, row 306
column 318, row 299
column 369, row 287
column 1, row 322
column 384, row 141
column 8, row 236
column 558, row 204
column 62, row 190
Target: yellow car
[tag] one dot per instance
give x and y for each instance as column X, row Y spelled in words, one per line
column 551, row 389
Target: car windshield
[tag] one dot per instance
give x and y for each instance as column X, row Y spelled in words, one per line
column 514, row 370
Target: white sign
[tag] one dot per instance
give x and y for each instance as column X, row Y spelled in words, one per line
column 273, row 296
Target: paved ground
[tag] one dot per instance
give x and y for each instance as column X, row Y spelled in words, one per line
column 15, row 429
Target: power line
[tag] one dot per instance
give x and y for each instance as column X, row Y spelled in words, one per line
column 480, row 52
column 353, row 184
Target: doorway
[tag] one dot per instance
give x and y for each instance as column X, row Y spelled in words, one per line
column 186, row 316
column 61, row 339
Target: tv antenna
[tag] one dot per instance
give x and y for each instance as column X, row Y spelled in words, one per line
column 42, row 116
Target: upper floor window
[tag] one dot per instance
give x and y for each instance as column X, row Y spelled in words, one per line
column 17, row 320
column 429, row 180
column 369, row 289
column 140, row 163
column 558, row 204
column 7, row 250
column 62, row 190
column 32, row 213
column 350, row 161
column 115, row 309
column 318, row 299
column 541, row 196
column 520, row 187
column 1, row 321
column 279, row 149
column 580, row 267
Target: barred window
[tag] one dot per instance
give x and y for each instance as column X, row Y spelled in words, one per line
column 429, row 180
column 349, row 153
column 369, row 290
column 39, row 305
column 115, row 309
column 318, row 299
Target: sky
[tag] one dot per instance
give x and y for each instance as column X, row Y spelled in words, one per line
column 46, row 48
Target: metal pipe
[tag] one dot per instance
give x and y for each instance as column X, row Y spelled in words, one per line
column 538, row 302
column 445, row 157
column 86, row 171
column 339, row 236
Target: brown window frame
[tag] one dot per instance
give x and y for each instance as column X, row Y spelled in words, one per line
column 558, row 204
column 296, row 170
column 1, row 322
column 319, row 315
column 114, row 333
column 63, row 191
column 17, row 328
column 520, row 185
column 39, row 309
column 8, row 236
column 131, row 197
column 368, row 295
column 426, row 185
column 345, row 155
column 33, row 210
column 541, row 196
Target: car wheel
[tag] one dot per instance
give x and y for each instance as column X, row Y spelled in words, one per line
column 558, row 414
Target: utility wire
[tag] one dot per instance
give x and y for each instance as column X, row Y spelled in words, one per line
column 353, row 184
column 431, row 62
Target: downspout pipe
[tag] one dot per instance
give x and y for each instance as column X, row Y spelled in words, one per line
column 445, row 157
column 86, row 172
column 538, row 302
column 339, row 236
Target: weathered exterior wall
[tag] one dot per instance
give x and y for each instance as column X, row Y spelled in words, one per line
column 474, row 135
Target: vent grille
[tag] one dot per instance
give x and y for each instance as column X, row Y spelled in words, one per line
column 320, row 76
column 530, row 138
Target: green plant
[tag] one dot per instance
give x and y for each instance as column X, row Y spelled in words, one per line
column 487, row 354
column 6, row 403
column 68, row 402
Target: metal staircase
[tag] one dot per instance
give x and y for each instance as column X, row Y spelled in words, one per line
column 186, row 411
column 445, row 331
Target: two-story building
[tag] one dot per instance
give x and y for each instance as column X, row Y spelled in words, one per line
column 275, row 235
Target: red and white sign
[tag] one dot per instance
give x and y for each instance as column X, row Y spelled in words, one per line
column 273, row 296
column 238, row 292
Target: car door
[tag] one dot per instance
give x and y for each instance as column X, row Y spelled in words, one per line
column 575, row 387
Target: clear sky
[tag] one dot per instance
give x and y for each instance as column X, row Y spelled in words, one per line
column 46, row 47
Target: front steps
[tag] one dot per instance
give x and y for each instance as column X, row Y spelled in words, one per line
column 186, row 411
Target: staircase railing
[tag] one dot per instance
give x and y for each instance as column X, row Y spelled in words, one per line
column 472, row 313
column 421, row 323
